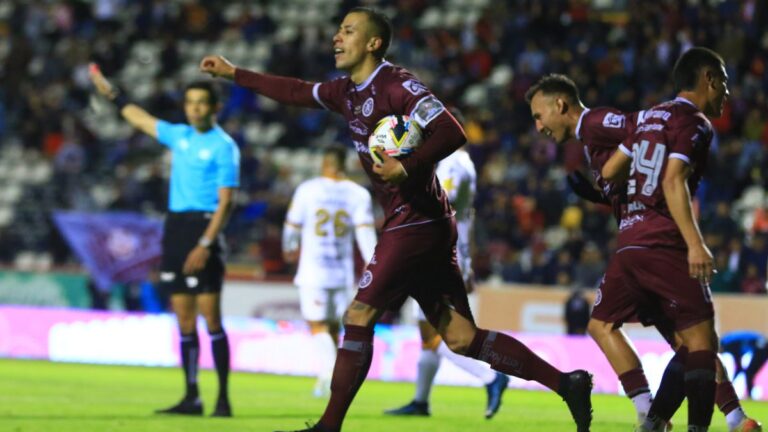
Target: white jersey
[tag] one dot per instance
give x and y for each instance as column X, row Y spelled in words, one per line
column 458, row 177
column 328, row 211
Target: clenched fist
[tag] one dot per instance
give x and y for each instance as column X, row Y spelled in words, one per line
column 217, row 66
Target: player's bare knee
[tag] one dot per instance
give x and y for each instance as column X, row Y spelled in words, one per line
column 360, row 314
column 213, row 324
column 598, row 329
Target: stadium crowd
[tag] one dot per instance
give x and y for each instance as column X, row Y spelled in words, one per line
column 478, row 55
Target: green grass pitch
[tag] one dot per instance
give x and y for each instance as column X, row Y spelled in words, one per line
column 55, row 397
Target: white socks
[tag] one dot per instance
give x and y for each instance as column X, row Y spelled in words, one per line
column 326, row 355
column 642, row 403
column 734, row 418
column 474, row 367
column 429, row 362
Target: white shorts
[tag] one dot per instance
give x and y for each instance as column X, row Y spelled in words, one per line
column 323, row 304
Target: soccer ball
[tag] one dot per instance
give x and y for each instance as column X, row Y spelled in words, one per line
column 397, row 134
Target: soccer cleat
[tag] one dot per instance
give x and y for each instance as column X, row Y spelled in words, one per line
column 185, row 407
column 413, row 408
column 495, row 389
column 312, row 428
column 576, row 391
column 223, row 409
column 748, row 425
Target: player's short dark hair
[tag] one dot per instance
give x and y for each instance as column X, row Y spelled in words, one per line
column 379, row 26
column 687, row 68
column 213, row 96
column 554, row 84
column 339, row 155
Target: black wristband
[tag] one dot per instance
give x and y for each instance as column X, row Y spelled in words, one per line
column 120, row 101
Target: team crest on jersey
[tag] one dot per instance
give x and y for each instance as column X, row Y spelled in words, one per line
column 368, row 107
column 357, row 126
column 365, row 280
column 414, row 87
column 612, row 120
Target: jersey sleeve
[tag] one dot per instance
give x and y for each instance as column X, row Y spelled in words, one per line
column 228, row 165
column 363, row 214
column 606, row 127
column 690, row 133
column 170, row 134
column 414, row 99
column 331, row 94
column 295, row 215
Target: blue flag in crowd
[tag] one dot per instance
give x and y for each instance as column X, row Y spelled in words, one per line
column 113, row 247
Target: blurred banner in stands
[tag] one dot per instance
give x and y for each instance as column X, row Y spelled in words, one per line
column 113, row 247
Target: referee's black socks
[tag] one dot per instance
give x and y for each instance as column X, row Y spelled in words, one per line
column 220, row 348
column 190, row 354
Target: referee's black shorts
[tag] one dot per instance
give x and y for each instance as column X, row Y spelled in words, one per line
column 181, row 232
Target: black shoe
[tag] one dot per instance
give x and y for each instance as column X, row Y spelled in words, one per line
column 223, row 409
column 576, row 391
column 411, row 409
column 313, row 428
column 495, row 389
column 185, row 407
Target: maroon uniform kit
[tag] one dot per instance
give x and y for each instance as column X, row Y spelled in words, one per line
column 416, row 253
column 652, row 254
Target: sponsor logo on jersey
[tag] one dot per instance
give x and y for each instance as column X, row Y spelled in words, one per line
column 361, row 147
column 613, row 120
column 365, row 280
column 357, row 126
column 628, row 222
column 368, row 107
column 427, row 109
column 414, row 87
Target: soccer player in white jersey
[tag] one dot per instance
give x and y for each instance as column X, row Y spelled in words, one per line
column 318, row 232
column 458, row 178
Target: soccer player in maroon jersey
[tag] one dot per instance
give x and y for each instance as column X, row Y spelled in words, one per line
column 661, row 252
column 416, row 252
column 601, row 130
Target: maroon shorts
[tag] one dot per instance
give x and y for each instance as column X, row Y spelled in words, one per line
column 417, row 261
column 617, row 304
column 661, row 275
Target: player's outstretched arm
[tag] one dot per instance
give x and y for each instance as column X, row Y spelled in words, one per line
column 678, row 197
column 132, row 113
column 289, row 91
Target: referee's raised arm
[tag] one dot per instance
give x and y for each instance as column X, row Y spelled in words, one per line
column 132, row 113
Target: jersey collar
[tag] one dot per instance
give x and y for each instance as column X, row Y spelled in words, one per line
column 684, row 100
column 578, row 125
column 370, row 78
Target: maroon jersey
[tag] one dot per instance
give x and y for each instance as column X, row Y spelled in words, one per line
column 390, row 90
column 674, row 129
column 602, row 130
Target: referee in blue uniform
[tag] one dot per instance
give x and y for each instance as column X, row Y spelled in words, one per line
column 205, row 171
